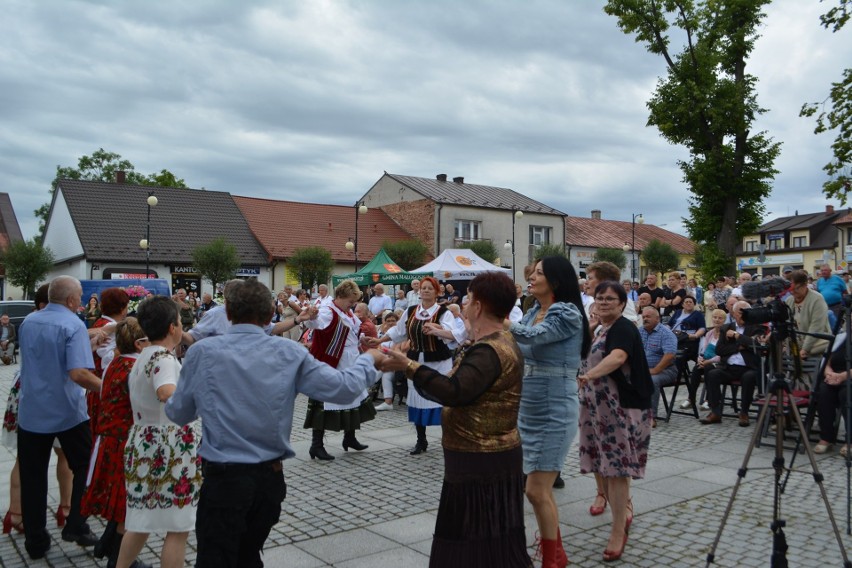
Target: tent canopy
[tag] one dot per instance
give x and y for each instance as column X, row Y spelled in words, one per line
column 382, row 269
column 459, row 264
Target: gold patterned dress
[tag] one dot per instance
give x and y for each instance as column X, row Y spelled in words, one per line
column 481, row 514
column 161, row 464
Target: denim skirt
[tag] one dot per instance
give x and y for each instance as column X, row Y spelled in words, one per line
column 548, row 416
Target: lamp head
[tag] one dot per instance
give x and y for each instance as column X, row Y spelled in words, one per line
column 143, row 244
column 349, row 245
column 152, row 200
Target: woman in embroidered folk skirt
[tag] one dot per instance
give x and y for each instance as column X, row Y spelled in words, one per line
column 425, row 348
column 162, row 468
column 335, row 341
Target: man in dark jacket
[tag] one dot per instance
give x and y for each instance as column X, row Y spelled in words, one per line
column 736, row 347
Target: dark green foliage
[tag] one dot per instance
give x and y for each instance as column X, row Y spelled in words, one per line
column 217, row 261
column 26, row 263
column 409, row 254
column 313, row 265
column 613, row 255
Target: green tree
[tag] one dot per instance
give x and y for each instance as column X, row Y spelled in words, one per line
column 217, row 261
column 660, row 257
column 613, row 255
column 102, row 166
column 26, row 263
column 549, row 250
column 707, row 103
column 483, row 249
column 313, row 265
column 408, row 254
column 836, row 115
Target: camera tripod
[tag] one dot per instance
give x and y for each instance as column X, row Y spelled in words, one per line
column 778, row 393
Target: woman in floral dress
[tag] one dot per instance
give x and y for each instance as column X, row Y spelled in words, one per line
column 615, row 409
column 106, row 495
column 161, row 465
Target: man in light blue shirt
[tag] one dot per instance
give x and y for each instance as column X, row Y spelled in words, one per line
column 660, row 351
column 832, row 287
column 243, row 386
column 56, row 371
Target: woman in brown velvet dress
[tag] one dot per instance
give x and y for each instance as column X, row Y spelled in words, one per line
column 481, row 514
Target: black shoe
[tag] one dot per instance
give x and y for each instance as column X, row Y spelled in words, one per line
column 320, row 454
column 37, row 551
column 105, row 544
column 559, row 483
column 418, row 449
column 87, row 538
column 354, row 444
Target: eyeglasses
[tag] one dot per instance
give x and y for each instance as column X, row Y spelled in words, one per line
column 607, row 299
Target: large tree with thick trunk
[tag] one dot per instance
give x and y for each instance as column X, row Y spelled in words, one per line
column 707, row 103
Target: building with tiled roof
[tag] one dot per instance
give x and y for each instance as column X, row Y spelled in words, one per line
column 584, row 235
column 315, row 224
column 10, row 232
column 446, row 213
column 94, row 230
column 802, row 241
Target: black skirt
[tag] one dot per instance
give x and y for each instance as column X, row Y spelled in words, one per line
column 481, row 514
column 318, row 418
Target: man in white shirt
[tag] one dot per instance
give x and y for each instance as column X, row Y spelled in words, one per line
column 413, row 295
column 379, row 302
column 324, row 298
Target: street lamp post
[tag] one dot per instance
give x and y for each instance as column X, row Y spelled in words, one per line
column 637, row 217
column 145, row 244
column 352, row 244
column 510, row 245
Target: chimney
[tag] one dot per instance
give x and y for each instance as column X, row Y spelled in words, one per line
column 829, row 209
column 596, row 213
column 458, row 179
column 120, row 176
column 441, row 177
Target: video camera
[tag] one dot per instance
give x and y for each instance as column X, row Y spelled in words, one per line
column 775, row 311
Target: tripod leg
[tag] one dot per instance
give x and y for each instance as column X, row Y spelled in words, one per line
column 818, row 478
column 741, row 473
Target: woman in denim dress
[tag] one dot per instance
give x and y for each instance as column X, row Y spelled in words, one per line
column 553, row 337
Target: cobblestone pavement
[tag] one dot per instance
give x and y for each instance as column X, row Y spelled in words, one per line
column 377, row 508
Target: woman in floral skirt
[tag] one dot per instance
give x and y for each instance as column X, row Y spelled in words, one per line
column 161, row 465
column 106, row 495
column 615, row 410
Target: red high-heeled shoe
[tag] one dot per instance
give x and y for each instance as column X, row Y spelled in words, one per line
column 8, row 524
column 612, row 555
column 61, row 515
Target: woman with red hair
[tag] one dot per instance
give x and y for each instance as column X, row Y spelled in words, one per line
column 427, row 348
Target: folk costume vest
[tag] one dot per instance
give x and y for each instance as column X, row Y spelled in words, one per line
column 433, row 348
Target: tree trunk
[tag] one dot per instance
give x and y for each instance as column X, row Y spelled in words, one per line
column 727, row 240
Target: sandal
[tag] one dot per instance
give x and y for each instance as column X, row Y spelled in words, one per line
column 595, row 510
column 62, row 513
column 9, row 523
column 843, row 450
column 822, row 447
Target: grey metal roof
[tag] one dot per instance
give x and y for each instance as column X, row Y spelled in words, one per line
column 472, row 195
column 111, row 218
column 798, row 222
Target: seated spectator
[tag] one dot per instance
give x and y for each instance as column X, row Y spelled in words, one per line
column 736, row 347
column 832, row 398
column 810, row 312
column 707, row 358
column 660, row 349
column 401, row 302
column 7, row 339
column 688, row 325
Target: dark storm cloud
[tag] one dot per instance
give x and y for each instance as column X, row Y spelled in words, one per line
column 314, row 100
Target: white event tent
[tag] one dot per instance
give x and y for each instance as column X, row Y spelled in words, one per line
column 459, row 264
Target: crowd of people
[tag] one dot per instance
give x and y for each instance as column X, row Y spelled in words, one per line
column 512, row 375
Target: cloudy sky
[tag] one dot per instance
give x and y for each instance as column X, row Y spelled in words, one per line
column 313, row 100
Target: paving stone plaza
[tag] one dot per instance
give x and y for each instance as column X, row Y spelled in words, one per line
column 377, row 508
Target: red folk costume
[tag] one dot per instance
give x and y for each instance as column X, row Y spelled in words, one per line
column 106, row 495
column 93, row 399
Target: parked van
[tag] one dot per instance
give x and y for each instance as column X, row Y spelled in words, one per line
column 17, row 310
column 157, row 286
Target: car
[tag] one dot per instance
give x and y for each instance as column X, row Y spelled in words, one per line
column 17, row 310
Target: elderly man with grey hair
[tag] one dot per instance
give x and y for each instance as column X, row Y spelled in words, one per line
column 736, row 344
column 56, row 372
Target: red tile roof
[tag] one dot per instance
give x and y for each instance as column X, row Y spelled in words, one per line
column 597, row 233
column 284, row 226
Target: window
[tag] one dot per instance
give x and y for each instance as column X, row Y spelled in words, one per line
column 751, row 246
column 775, row 244
column 468, row 230
column 540, row 235
column 800, row 241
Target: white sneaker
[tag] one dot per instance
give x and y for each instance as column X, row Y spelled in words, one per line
column 384, row 406
column 686, row 404
column 705, row 405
